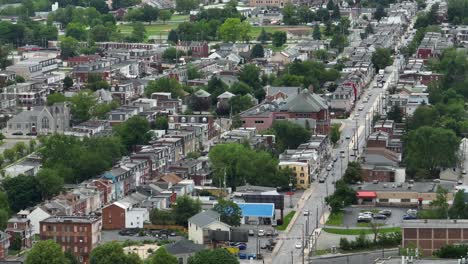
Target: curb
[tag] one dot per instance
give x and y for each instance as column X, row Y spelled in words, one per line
column 330, row 256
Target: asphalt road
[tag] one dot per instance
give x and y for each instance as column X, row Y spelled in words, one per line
column 356, row 128
column 355, row 259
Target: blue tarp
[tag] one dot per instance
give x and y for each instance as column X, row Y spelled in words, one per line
column 257, row 209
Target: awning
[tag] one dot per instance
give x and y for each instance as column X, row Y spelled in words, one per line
column 366, row 195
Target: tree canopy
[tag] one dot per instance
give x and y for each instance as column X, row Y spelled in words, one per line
column 289, row 135
column 230, row 212
column 213, row 256
column 112, row 253
column 185, row 208
column 161, row 256
column 382, row 58
column 46, row 252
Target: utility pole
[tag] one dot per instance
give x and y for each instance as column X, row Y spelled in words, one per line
column 307, row 224
column 292, row 258
column 316, row 218
column 303, row 245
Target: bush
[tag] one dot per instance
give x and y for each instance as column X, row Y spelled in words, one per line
column 362, row 242
column 345, row 244
column 451, row 251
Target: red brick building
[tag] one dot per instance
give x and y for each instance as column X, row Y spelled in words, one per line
column 113, row 216
column 4, row 244
column 77, row 234
column 20, row 225
column 430, row 235
column 304, row 107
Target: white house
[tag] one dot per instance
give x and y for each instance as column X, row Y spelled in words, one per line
column 37, row 215
column 200, row 224
column 135, row 217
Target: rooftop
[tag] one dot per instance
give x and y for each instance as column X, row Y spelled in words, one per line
column 420, row 187
column 71, row 219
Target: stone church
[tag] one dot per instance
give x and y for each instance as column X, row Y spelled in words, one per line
column 41, row 120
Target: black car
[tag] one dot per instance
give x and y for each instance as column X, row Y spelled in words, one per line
column 17, row 134
column 380, row 216
column 387, row 213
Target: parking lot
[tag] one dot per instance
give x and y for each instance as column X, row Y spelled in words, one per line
column 262, row 240
column 351, row 215
column 113, row 235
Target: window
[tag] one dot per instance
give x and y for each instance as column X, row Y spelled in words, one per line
column 258, row 121
column 301, row 181
column 45, row 122
column 405, row 200
column 302, row 174
column 181, row 260
column 383, row 200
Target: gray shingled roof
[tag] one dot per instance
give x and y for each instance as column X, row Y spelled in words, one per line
column 305, row 102
column 183, row 246
column 204, row 218
column 202, row 93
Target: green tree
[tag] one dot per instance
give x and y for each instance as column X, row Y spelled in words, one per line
column 76, row 31
column 173, row 37
column 50, row 182
column 164, row 85
column 316, row 34
column 165, row 15
column 112, row 253
column 458, row 208
column 150, row 13
column 185, row 208
column 17, row 242
column 233, row 29
column 369, row 29
column 162, row 217
column 330, row 5
column 395, row 114
column 339, row 41
column 172, row 54
column 230, row 212
column 185, row 6
column 56, row 98
column 250, row 75
column 32, row 145
column 431, row 148
column 342, row 197
column 263, row 37
column 139, row 32
column 335, row 134
column 21, row 149
column 72, row 259
column 379, row 12
column 382, row 58
column 240, row 103
column 336, row 12
column 4, row 216
column 257, row 51
column 289, row 135
column 4, row 56
column 82, row 105
column 46, row 252
column 352, row 173
column 216, row 87
column 69, row 47
column 67, row 82
column 134, row 131
column 193, row 72
column 161, row 256
column 100, row 33
column 161, row 123
column 440, row 204
column 22, row 191
column 214, row 256
column 289, row 14
column 236, row 122
column 10, row 154
column 279, row 38
column 240, row 88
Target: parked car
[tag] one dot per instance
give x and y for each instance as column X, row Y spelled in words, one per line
column 251, row 256
column 31, row 134
column 251, row 232
column 386, row 212
column 380, row 216
column 412, row 211
column 366, row 213
column 330, row 167
column 306, row 213
column 173, row 234
column 17, row 134
column 268, row 233
column 409, row 217
column 335, row 158
column 242, row 256
column 356, row 114
column 321, row 180
column 263, row 245
column 261, row 232
column 364, row 219
column 299, row 244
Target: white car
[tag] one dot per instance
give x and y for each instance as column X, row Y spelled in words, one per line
column 306, row 213
column 261, row 232
column 299, row 244
column 356, row 115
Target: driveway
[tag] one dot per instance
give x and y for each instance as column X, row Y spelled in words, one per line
column 351, row 215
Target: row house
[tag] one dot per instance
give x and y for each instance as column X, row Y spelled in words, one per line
column 34, row 67
column 27, row 94
column 197, row 49
column 342, row 100
column 202, row 119
column 83, row 59
column 250, row 135
column 189, row 142
column 165, row 103
column 157, row 158
column 304, row 163
column 126, row 45
column 90, row 128
column 321, row 144
column 432, row 46
column 76, row 234
column 175, row 146
column 125, row 213
column 20, row 226
column 108, row 68
column 195, row 170
column 123, row 113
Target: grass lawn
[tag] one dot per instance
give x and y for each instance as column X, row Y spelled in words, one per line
column 359, row 231
column 368, row 224
column 286, row 221
column 335, row 219
column 277, row 49
column 179, row 18
column 151, row 30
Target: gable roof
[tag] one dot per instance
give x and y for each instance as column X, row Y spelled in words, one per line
column 305, row 102
column 183, row 246
column 202, row 93
column 204, row 218
column 225, row 95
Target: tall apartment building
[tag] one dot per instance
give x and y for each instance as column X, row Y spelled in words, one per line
column 77, row 234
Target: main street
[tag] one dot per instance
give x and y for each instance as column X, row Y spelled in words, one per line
column 314, row 197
